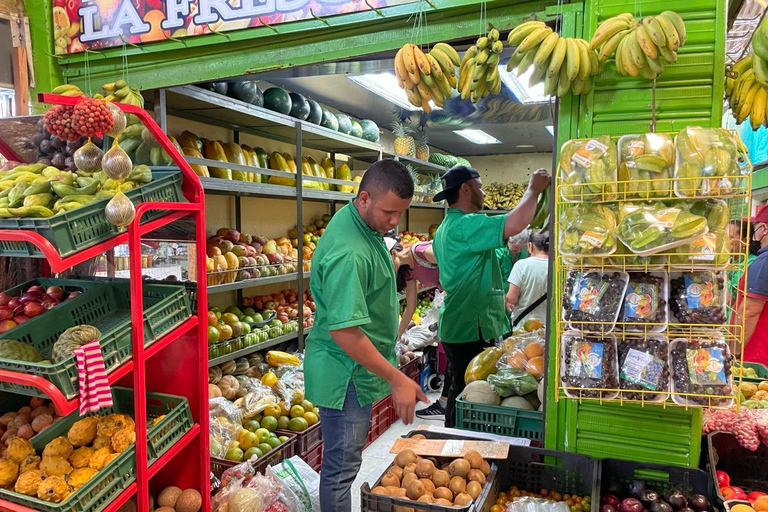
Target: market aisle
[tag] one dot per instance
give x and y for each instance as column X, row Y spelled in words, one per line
column 376, row 457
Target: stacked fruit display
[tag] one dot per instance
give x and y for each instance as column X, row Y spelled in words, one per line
column 500, row 196
column 408, row 238
column 427, row 77
column 26, row 422
column 754, row 395
column 55, row 152
column 311, row 234
column 449, row 482
column 234, row 256
column 758, row 500
column 33, row 302
column 285, row 304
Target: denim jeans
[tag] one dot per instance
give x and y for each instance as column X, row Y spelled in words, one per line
column 344, row 435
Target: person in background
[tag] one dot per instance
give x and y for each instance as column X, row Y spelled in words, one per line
column 740, row 237
column 527, row 295
column 350, row 353
column 465, row 247
column 753, row 305
column 412, row 264
column 516, row 250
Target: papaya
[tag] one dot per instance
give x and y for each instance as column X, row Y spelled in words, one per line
column 235, row 156
column 278, row 163
column 200, row 170
column 188, row 139
column 483, row 364
column 343, row 172
column 330, row 171
column 318, row 172
column 250, row 160
column 214, row 151
column 290, row 161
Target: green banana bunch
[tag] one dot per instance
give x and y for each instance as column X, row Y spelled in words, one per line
column 541, row 215
column 479, row 74
column 68, row 90
column 120, row 92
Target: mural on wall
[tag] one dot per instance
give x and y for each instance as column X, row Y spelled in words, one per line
column 99, row 24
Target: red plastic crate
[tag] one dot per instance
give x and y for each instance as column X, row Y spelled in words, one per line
column 411, row 369
column 382, row 417
column 306, row 440
column 314, row 457
column 279, row 454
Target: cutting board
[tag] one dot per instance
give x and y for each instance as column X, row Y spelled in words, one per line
column 451, row 448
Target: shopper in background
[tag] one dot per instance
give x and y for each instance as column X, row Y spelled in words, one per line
column 753, row 306
column 350, row 359
column 465, row 246
column 527, row 295
column 516, row 250
column 742, row 235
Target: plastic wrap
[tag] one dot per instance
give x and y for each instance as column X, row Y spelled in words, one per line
column 740, row 423
column 711, row 249
column 528, row 504
column 707, row 160
column 760, row 418
column 523, row 352
column 225, row 419
column 650, row 228
column 258, row 397
column 698, row 297
column 511, row 382
column 645, row 302
column 644, row 366
column 244, row 490
column 646, row 163
column 587, row 170
column 290, row 387
column 592, row 300
column 589, row 363
column 587, row 230
column 623, row 258
column 701, row 367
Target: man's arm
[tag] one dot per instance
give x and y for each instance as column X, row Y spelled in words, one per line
column 411, row 298
column 405, row 392
column 520, row 217
column 753, row 308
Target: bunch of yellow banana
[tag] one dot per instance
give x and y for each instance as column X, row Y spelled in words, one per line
column 427, row 76
column 68, row 90
column 121, row 92
column 479, row 72
column 747, row 97
column 562, row 63
column 641, row 46
column 760, row 55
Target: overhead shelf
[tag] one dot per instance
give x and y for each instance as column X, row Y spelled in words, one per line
column 421, row 165
column 253, row 283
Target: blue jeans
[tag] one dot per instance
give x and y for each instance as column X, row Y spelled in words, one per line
column 344, row 435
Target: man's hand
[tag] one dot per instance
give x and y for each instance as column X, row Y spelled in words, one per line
column 405, row 394
column 539, row 181
column 510, row 304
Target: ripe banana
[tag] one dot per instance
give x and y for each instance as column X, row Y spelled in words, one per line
column 644, row 38
column 610, row 28
column 448, row 50
column 557, row 58
column 534, row 38
column 67, row 90
column 429, row 76
column 478, row 73
column 520, row 32
column 545, row 49
column 757, row 114
column 572, row 60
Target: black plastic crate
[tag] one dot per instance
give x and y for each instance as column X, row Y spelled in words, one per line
column 747, row 469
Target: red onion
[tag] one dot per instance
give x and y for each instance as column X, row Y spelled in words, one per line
column 20, row 319
column 4, row 299
column 55, row 292
column 32, row 309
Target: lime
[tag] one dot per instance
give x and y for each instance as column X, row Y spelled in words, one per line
column 270, row 423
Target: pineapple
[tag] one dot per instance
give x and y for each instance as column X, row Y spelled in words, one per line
column 422, row 149
column 404, row 143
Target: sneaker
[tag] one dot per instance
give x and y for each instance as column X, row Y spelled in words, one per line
column 433, row 412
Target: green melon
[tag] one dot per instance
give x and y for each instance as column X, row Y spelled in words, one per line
column 357, row 130
column 299, row 106
column 329, row 120
column 370, row 130
column 217, row 87
column 278, row 100
column 345, row 124
column 315, row 112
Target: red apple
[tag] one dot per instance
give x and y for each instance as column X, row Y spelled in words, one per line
column 55, row 292
column 20, row 319
column 4, row 299
column 32, row 309
column 739, row 493
column 14, row 303
column 752, row 497
column 723, row 480
column 7, row 325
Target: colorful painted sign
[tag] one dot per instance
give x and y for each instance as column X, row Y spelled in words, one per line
column 99, row 24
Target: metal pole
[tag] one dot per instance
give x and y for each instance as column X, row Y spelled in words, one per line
column 300, row 229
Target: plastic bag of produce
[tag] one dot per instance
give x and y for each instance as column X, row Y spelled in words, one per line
column 592, row 300
column 739, row 423
column 588, row 363
column 290, row 387
column 698, row 298
column 483, row 364
column 707, row 162
column 587, row 170
column 644, row 368
column 256, row 400
column 302, row 480
column 701, row 372
column 648, row 229
column 512, row 382
column 224, row 420
column 524, row 353
column 710, row 249
column 625, row 259
column 645, row 165
column 760, row 418
column 645, row 302
column 587, row 230
column 528, row 504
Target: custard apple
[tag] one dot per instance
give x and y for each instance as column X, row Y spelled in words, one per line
column 73, row 338
column 19, row 351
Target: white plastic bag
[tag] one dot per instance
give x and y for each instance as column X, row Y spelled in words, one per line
column 302, row 480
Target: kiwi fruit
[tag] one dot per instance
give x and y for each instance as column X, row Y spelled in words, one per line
column 474, row 489
column 405, row 457
column 408, row 478
column 380, row 490
column 390, row 480
column 428, row 484
column 459, row 467
column 397, row 492
column 458, row 485
column 474, row 458
column 397, row 470
column 415, row 490
column 444, row 502
column 425, row 468
column 486, row 468
column 477, row 476
column 442, row 493
column 409, row 468
column 462, row 499
column 441, row 478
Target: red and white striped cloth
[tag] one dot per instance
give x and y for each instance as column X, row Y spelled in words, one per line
column 94, row 386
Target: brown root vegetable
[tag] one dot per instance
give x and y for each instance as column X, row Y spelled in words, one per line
column 409, row 468
column 397, row 470
column 429, row 486
column 486, row 468
column 444, row 502
column 381, row 491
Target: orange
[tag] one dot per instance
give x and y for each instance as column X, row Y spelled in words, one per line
column 536, row 367
column 311, row 418
column 297, row 411
column 534, row 349
column 154, row 18
column 760, row 504
column 517, row 359
column 272, row 410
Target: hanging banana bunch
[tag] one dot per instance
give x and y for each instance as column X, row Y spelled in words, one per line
column 746, row 96
column 429, row 76
column 479, row 72
column 562, row 64
column 641, row 46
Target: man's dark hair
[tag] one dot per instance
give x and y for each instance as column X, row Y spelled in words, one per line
column 387, row 175
column 452, row 195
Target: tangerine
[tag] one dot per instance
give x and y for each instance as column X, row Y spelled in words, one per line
column 534, row 349
column 517, row 359
column 536, row 367
column 272, row 410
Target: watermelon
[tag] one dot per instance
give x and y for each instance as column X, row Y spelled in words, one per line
column 329, row 121
column 315, row 112
column 259, row 99
column 299, row 106
column 357, row 130
column 243, row 90
column 217, row 87
column 345, row 124
column 370, row 130
column 278, row 100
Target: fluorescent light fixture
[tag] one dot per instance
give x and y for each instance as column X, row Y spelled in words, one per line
column 525, row 146
column 386, row 86
column 550, row 129
column 477, row 136
column 519, row 86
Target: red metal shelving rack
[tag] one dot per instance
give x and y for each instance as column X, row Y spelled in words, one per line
column 175, row 364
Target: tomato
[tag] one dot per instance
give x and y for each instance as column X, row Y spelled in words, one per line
column 723, row 480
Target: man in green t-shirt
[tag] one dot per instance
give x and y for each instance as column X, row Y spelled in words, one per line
column 465, row 247
column 349, row 360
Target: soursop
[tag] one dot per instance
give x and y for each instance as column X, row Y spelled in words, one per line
column 73, row 338
column 19, row 351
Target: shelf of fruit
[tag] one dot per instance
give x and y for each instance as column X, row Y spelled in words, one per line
column 643, row 251
column 110, row 457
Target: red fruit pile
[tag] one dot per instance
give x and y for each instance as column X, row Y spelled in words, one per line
column 741, row 425
column 58, row 122
column 92, row 118
column 35, row 301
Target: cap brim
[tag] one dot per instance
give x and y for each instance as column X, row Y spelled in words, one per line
column 439, row 196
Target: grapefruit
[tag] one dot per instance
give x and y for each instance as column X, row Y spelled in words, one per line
column 297, row 411
column 269, row 423
column 298, row 425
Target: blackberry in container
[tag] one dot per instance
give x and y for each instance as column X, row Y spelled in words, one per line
column 701, row 367
column 644, row 367
column 698, row 298
column 645, row 302
column 590, row 364
column 592, row 300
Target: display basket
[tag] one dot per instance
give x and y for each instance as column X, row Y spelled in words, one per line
column 87, row 226
column 314, row 457
column 411, row 369
column 307, row 439
column 272, row 457
column 382, row 417
column 228, row 276
column 747, row 469
column 175, row 421
column 616, row 476
column 108, row 308
column 496, row 419
column 760, row 370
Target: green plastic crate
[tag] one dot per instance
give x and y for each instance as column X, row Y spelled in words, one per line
column 495, row 419
column 87, row 226
column 116, row 476
column 760, row 370
column 107, row 307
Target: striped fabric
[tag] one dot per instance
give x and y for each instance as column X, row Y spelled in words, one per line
column 94, row 386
